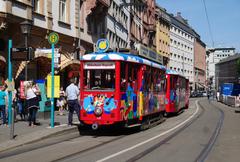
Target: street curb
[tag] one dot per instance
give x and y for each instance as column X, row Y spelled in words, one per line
column 27, row 139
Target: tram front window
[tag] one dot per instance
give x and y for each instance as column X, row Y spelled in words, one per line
column 99, row 79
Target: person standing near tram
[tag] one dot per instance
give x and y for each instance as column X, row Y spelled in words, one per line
column 72, row 93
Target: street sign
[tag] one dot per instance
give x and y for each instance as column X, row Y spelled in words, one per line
column 53, row 38
column 22, row 54
column 48, row 52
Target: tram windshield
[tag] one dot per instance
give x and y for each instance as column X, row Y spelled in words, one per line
column 99, row 77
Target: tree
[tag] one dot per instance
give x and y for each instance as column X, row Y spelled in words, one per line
column 238, row 67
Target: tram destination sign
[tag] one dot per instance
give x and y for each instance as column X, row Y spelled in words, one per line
column 99, row 65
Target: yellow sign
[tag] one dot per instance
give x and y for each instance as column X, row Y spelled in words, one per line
column 56, row 86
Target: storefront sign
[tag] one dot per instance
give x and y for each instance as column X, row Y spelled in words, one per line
column 99, row 65
column 149, row 53
column 22, row 94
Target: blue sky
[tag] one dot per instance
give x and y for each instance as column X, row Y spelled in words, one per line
column 224, row 17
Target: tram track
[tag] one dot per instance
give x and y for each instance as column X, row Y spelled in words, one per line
column 164, row 141
column 40, row 145
column 207, row 149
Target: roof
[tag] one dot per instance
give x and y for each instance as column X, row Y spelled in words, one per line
column 230, row 58
column 180, row 24
column 122, row 57
column 173, row 72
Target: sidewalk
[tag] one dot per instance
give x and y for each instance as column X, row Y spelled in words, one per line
column 25, row 134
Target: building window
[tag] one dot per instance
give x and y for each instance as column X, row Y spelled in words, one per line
column 63, row 10
column 37, row 6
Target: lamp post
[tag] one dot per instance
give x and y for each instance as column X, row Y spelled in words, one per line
column 26, row 27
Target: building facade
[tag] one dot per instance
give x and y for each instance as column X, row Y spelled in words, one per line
column 199, row 64
column 71, row 19
column 118, row 23
column 215, row 55
column 227, row 70
column 163, row 34
column 182, row 48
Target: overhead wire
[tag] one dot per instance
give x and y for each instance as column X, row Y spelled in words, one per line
column 208, row 21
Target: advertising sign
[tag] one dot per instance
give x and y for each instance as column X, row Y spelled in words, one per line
column 56, row 86
column 22, row 90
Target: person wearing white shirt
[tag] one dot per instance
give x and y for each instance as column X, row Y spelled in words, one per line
column 72, row 93
column 32, row 102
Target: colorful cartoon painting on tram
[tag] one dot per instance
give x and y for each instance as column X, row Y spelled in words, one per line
column 105, row 103
column 129, row 104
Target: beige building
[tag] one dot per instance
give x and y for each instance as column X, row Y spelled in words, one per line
column 71, row 19
column 163, row 34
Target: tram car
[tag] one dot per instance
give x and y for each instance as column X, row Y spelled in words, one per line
column 118, row 88
column 177, row 92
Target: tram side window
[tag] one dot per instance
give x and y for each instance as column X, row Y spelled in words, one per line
column 160, row 82
column 132, row 75
column 147, row 80
column 123, row 67
column 163, row 82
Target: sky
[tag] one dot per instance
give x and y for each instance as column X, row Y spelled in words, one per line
column 224, row 19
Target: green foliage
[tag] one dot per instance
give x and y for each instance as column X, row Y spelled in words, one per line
column 238, row 67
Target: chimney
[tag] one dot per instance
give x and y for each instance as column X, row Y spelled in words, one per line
column 178, row 14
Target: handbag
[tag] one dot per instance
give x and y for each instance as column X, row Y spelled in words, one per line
column 48, row 103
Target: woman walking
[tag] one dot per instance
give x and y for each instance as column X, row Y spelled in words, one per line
column 32, row 102
column 3, row 99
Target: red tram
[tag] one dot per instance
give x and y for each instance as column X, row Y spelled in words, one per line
column 120, row 88
column 177, row 93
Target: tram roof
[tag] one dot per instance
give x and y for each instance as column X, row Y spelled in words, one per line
column 173, row 72
column 121, row 57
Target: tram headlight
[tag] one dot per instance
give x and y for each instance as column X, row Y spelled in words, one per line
column 98, row 111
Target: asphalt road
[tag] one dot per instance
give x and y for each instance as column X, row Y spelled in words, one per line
column 202, row 133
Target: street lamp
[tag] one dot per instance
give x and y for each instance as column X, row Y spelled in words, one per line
column 26, row 27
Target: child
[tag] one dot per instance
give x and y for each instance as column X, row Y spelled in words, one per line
column 61, row 101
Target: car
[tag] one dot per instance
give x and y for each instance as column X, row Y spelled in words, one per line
column 204, row 94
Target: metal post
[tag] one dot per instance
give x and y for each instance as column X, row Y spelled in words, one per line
column 79, row 31
column 26, row 45
column 10, row 116
column 52, row 89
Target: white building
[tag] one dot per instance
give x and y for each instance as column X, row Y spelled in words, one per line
column 182, row 48
column 118, row 18
column 215, row 55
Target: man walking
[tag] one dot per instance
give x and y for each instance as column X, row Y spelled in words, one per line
column 72, row 93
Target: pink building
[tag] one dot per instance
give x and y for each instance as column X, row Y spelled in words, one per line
column 199, row 64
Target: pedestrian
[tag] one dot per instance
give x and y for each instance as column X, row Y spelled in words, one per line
column 61, row 102
column 32, row 100
column 3, row 101
column 208, row 95
column 20, row 107
column 72, row 93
